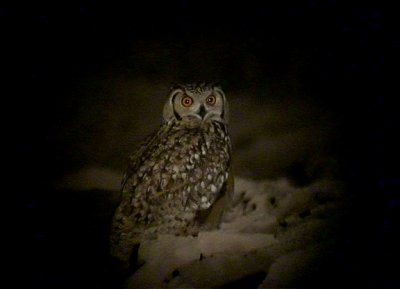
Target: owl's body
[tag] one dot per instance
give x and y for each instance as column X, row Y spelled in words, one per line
column 177, row 173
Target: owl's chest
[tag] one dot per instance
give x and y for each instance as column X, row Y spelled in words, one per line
column 186, row 151
column 182, row 163
column 183, row 145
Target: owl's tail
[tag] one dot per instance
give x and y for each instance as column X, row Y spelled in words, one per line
column 124, row 239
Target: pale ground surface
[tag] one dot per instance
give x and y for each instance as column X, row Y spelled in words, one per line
column 274, row 232
column 284, row 239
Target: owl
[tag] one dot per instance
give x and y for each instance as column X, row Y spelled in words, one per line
column 178, row 180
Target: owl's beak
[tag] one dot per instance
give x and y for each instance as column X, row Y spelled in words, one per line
column 201, row 111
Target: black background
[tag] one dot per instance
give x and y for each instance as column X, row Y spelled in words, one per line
column 340, row 49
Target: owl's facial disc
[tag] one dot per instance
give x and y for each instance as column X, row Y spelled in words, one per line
column 203, row 107
column 213, row 107
column 200, row 103
column 204, row 110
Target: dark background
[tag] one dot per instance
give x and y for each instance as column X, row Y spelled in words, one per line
column 63, row 56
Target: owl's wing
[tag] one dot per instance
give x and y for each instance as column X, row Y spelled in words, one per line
column 135, row 158
column 211, row 217
column 123, row 230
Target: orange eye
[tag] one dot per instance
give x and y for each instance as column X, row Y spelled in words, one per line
column 187, row 101
column 211, row 99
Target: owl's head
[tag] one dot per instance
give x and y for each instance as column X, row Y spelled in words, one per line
column 205, row 102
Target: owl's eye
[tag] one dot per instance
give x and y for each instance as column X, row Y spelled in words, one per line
column 187, row 101
column 211, row 100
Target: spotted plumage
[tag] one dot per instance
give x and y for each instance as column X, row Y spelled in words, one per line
column 178, row 173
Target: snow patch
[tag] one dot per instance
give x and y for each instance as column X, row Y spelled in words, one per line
column 270, row 226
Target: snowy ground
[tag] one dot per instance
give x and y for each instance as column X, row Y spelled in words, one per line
column 275, row 234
